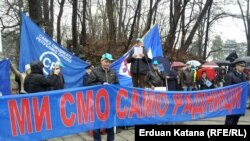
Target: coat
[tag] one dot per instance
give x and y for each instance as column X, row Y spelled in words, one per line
column 36, row 81
column 99, row 76
column 139, row 65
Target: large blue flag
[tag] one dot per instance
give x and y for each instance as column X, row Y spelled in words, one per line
column 152, row 42
column 37, row 45
column 5, row 77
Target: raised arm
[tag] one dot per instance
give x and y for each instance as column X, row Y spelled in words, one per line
column 15, row 71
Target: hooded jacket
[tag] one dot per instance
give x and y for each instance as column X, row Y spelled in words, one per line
column 36, row 81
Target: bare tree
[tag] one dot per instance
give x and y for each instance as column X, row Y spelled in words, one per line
column 48, row 17
column 83, row 39
column 51, row 21
column 111, row 20
column 138, row 20
column 196, row 25
column 133, row 25
column 246, row 21
column 74, row 25
column 120, row 15
column 35, row 11
column 152, row 10
column 58, row 28
column 207, row 31
column 176, row 9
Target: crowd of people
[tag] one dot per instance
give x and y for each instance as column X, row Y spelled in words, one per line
column 145, row 73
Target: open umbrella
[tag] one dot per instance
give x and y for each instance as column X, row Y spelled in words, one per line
column 210, row 65
column 209, row 71
column 177, row 64
column 163, row 64
column 223, row 62
column 194, row 63
column 246, row 59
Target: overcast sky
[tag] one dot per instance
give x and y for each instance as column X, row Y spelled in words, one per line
column 230, row 28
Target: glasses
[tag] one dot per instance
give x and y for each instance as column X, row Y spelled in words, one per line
column 242, row 66
column 57, row 68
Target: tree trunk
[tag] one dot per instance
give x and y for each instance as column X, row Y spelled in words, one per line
column 137, row 27
column 175, row 12
column 120, row 20
column 155, row 15
column 200, row 39
column 124, row 31
column 195, row 27
column 207, row 31
column 59, row 21
column 151, row 12
column 248, row 30
column 74, row 26
column 46, row 15
column 132, row 27
column 91, row 23
column 51, row 21
column 83, row 40
column 111, row 20
column 35, row 11
column 183, row 29
column 149, row 18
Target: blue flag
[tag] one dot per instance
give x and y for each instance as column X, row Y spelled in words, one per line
column 38, row 46
column 152, row 42
column 5, row 77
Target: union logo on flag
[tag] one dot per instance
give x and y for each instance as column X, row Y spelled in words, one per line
column 125, row 68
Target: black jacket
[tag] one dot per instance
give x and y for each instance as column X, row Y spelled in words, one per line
column 202, row 82
column 234, row 78
column 139, row 65
column 59, row 81
column 85, row 79
column 154, row 79
column 232, row 56
column 36, row 81
column 98, row 76
column 172, row 81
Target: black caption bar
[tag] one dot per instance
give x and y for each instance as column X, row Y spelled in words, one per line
column 204, row 132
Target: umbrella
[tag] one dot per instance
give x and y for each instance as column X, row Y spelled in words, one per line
column 177, row 64
column 210, row 73
column 163, row 64
column 246, row 59
column 194, row 63
column 210, row 65
column 223, row 62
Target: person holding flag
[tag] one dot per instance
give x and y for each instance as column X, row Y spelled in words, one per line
column 56, row 72
column 21, row 76
column 36, row 81
column 139, row 64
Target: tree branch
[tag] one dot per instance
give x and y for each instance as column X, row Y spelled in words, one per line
column 243, row 17
column 212, row 51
